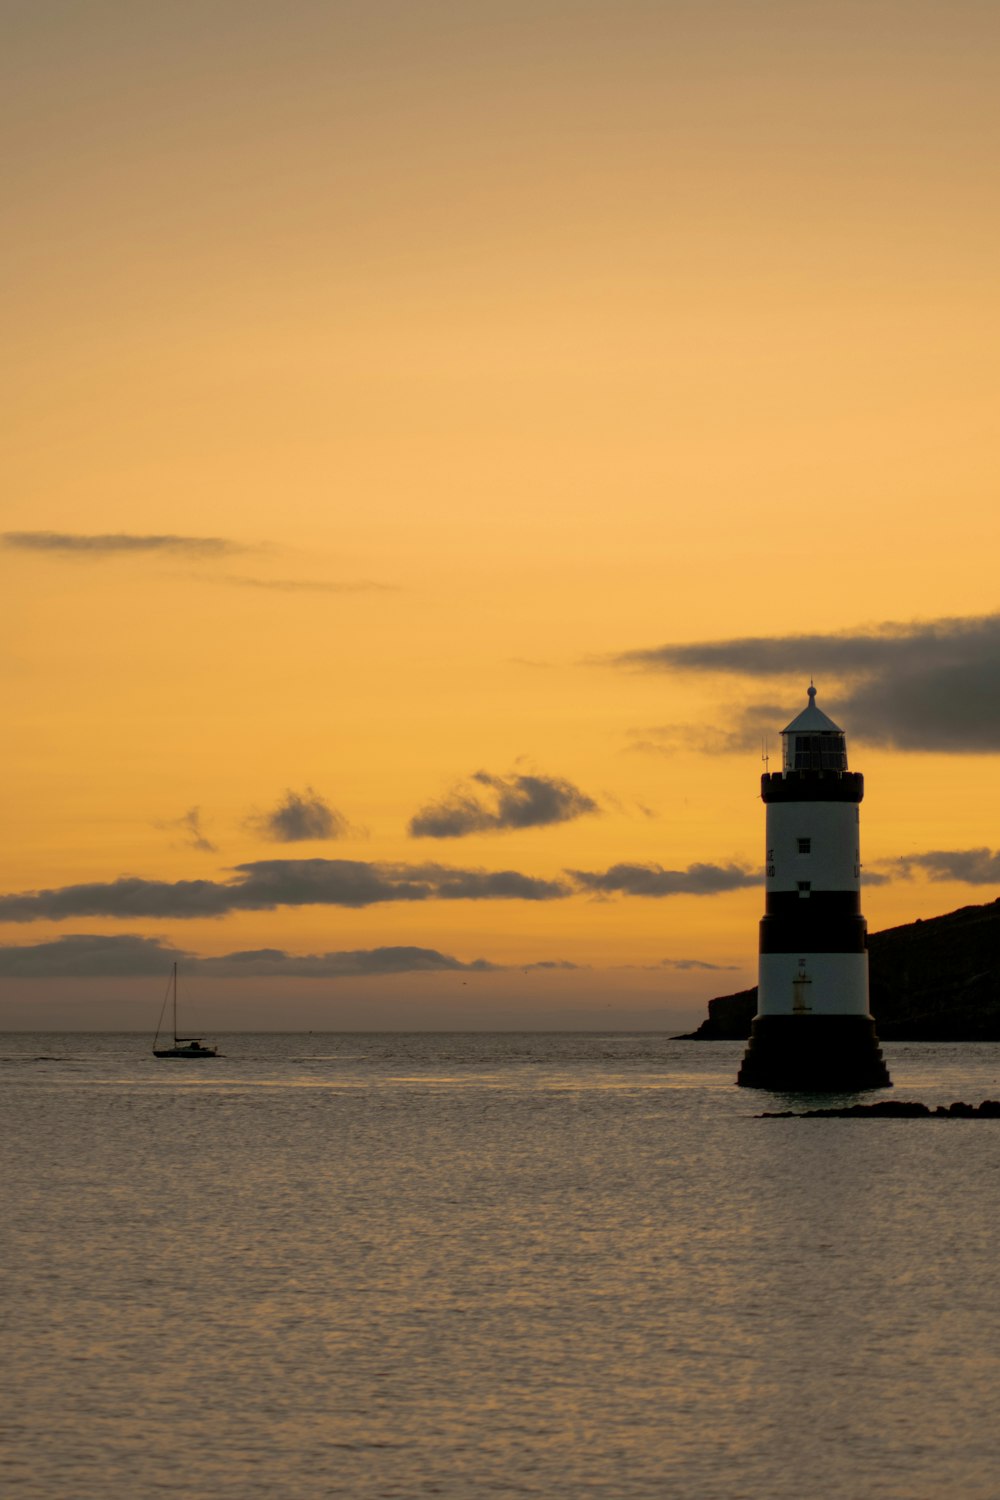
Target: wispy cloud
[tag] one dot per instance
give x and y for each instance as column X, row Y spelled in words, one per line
column 696, row 963
column 84, row 955
column 509, row 802
column 102, row 545
column 963, row 866
column 265, row 885
column 653, row 880
column 300, row 816
column 669, row 739
column 308, row 585
column 683, row 964
column 189, row 825
column 117, row 544
column 927, row 685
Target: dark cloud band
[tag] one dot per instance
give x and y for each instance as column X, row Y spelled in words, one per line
column 265, row 885
column 932, row 685
column 82, row 956
column 653, row 880
column 85, row 955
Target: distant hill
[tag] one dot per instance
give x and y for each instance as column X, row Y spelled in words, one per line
column 934, row 980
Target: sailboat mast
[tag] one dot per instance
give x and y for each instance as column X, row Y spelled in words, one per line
column 175, row 1004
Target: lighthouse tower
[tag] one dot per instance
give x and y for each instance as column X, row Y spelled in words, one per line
column 813, row 1030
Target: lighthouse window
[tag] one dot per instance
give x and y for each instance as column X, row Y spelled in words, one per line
column 805, row 886
column 816, row 752
column 805, row 846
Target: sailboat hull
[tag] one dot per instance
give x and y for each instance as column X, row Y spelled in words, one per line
column 184, row 1052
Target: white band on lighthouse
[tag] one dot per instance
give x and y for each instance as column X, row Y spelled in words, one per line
column 818, row 984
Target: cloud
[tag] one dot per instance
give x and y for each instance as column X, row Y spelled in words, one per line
column 351, row 964
column 190, row 826
column 695, row 963
column 485, row 885
column 302, row 815
column 668, row 739
column 628, row 807
column 965, row 866
column 516, row 802
column 130, row 544
column 653, row 880
column 116, row 544
column 264, row 885
column 87, row 956
column 128, row 897
column 930, row 685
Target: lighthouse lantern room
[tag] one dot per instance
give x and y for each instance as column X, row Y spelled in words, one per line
column 813, row 1030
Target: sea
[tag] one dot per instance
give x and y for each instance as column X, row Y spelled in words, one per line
column 490, row 1265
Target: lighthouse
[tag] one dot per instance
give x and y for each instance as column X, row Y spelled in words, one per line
column 813, row 1031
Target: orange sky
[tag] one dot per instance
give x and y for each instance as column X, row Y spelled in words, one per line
column 488, row 344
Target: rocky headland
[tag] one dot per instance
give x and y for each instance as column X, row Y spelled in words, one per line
column 933, row 980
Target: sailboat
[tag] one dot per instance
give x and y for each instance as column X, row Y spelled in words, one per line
column 184, row 1046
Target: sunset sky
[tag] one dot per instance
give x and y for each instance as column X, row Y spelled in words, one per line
column 442, row 439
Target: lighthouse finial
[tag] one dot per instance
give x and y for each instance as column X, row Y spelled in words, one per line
column 811, row 690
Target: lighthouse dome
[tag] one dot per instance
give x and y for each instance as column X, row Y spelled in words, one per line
column 813, row 742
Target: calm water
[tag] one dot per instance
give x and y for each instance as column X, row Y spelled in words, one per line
column 469, row 1266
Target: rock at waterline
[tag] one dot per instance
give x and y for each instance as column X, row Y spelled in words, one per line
column 893, row 1109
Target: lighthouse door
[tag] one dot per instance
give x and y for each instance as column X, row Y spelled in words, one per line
column 800, row 991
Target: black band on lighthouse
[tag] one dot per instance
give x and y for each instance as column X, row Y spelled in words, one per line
column 783, row 935
column 817, row 906
column 812, row 786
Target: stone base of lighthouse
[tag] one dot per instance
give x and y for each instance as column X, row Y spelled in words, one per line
column 796, row 1054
